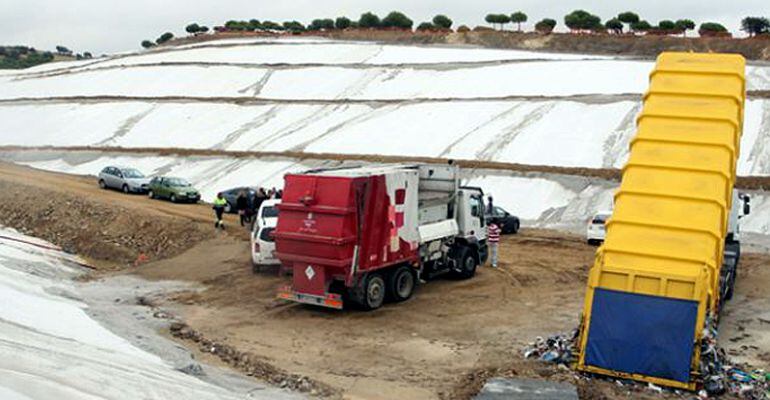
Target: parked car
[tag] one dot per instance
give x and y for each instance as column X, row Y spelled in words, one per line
column 129, row 180
column 262, row 240
column 267, row 213
column 595, row 231
column 231, row 195
column 174, row 189
column 507, row 222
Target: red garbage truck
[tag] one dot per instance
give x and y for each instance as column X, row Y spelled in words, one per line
column 370, row 233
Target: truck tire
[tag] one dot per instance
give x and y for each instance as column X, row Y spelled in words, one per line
column 465, row 263
column 374, row 292
column 401, row 284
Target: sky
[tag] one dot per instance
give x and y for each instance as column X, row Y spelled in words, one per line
column 110, row 26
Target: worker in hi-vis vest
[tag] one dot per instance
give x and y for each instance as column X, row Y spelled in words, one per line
column 219, row 209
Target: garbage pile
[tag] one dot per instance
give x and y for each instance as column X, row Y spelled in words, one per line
column 560, row 349
column 721, row 375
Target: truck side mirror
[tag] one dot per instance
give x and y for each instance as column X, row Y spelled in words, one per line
column 746, row 208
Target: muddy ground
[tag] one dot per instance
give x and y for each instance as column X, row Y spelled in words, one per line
column 441, row 344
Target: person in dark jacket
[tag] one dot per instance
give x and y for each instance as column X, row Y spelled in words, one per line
column 260, row 197
column 242, row 205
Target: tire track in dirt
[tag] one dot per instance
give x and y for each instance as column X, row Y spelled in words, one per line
column 759, row 158
column 127, row 126
column 499, row 116
column 509, row 133
column 617, row 142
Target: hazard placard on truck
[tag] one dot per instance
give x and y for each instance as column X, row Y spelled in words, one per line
column 369, row 234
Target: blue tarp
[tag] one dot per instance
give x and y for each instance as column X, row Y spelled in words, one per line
column 641, row 334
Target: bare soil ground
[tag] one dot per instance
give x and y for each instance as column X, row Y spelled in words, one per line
column 441, row 344
column 757, row 48
column 110, row 229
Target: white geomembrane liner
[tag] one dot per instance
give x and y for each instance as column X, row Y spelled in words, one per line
column 50, row 348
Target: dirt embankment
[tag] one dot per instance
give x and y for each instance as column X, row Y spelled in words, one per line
column 627, row 45
column 102, row 226
column 604, row 44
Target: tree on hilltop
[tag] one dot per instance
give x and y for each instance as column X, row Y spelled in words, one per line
column 342, row 23
column 614, row 25
column 164, row 38
column 684, row 25
column 755, row 25
column 518, row 18
column 641, row 26
column 397, row 19
column 628, row 18
column 442, row 21
column 501, row 19
column 369, row 20
column 581, row 20
column 546, row 25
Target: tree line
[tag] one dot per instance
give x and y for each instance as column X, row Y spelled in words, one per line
column 20, row 57
column 580, row 21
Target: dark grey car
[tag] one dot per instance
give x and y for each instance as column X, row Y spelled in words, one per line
column 128, row 180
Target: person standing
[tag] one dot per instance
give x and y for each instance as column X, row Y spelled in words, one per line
column 493, row 238
column 490, row 206
column 219, row 210
column 242, row 205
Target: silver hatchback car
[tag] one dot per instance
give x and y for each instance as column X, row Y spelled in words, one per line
column 129, row 180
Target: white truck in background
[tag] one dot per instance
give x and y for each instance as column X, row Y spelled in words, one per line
column 741, row 207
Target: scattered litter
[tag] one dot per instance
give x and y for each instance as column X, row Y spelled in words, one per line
column 559, row 349
column 720, row 375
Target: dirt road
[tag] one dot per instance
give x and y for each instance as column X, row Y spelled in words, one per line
column 441, row 344
column 110, row 229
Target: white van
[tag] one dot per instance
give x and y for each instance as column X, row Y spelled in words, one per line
column 262, row 240
column 595, row 232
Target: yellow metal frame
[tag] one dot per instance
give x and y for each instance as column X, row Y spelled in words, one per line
column 666, row 235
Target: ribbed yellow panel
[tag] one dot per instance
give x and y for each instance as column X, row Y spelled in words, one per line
column 667, row 231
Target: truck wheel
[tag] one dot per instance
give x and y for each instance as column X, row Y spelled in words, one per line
column 374, row 292
column 465, row 264
column 730, row 287
column 401, row 284
column 151, row 194
column 172, row 198
column 516, row 226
